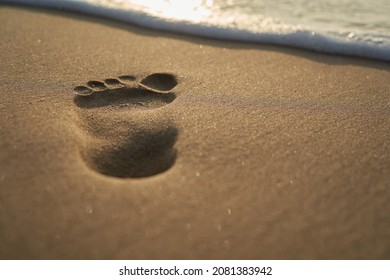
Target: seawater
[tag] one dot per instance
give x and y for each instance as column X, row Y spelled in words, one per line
column 348, row 27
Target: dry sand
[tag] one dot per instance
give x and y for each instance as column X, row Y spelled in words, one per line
column 259, row 152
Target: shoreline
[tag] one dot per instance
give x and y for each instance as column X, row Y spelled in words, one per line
column 334, row 45
column 258, row 152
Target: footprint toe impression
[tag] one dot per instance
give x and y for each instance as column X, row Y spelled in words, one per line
column 129, row 153
column 159, row 82
column 127, row 79
column 113, row 83
column 83, row 91
column 97, row 85
column 115, row 92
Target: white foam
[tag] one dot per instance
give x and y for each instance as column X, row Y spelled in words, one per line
column 260, row 30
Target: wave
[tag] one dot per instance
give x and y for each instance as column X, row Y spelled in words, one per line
column 232, row 27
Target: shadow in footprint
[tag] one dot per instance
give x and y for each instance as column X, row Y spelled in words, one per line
column 145, row 154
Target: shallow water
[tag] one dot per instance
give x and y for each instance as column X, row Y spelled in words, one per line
column 350, row 27
column 358, row 16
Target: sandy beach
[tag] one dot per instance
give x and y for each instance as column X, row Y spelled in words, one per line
column 235, row 151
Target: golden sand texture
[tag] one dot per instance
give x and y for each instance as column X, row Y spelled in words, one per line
column 242, row 151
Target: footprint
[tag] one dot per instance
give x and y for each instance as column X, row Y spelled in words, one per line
column 121, row 140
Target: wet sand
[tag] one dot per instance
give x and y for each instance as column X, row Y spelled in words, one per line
column 240, row 151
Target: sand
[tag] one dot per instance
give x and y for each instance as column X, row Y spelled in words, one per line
column 258, row 152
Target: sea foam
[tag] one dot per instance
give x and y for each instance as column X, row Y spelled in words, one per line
column 208, row 22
